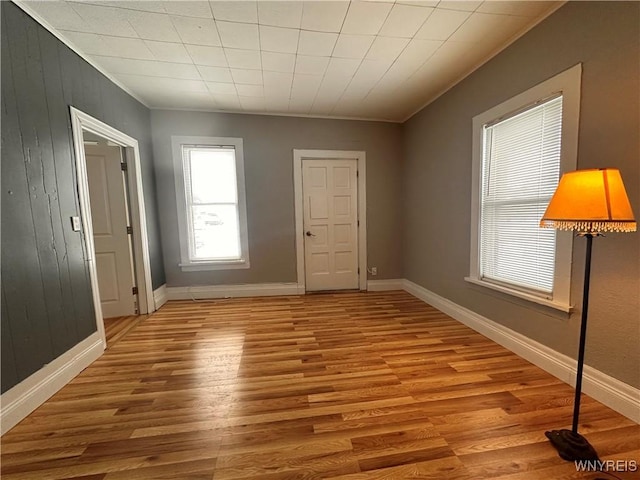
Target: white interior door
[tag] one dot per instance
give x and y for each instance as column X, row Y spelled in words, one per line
column 110, row 221
column 330, row 202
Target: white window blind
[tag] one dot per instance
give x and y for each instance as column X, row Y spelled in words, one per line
column 520, row 171
column 212, row 203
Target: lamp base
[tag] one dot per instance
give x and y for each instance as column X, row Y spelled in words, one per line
column 571, row 446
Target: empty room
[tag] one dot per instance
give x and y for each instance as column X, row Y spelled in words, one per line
column 334, row 239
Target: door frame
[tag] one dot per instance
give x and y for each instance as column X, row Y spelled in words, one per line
column 361, row 157
column 81, row 121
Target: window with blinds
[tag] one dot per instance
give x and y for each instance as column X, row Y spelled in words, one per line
column 520, row 171
column 520, row 146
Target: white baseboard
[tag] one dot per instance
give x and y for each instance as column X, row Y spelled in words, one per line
column 33, row 391
column 617, row 395
column 227, row 291
column 160, row 296
column 385, row 285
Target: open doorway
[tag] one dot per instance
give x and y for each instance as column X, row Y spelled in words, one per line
column 113, row 222
column 112, row 231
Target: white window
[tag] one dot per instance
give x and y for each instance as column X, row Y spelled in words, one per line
column 210, row 193
column 520, row 149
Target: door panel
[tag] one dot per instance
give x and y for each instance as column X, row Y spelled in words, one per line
column 107, row 267
column 109, row 220
column 330, row 202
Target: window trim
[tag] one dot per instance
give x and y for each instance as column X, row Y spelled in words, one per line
column 567, row 83
column 186, row 264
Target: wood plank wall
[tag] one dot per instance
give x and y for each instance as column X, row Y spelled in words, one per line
column 46, row 297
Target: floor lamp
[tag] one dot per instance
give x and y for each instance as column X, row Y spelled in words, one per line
column 588, row 202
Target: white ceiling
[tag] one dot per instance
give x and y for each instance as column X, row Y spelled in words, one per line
column 379, row 60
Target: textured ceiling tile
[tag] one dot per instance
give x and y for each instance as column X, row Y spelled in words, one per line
column 235, row 11
column 170, row 98
column 416, row 53
column 324, row 16
column 198, row 9
column 386, row 48
column 365, row 18
column 352, row 46
column 508, row 27
column 332, row 86
column 203, row 55
column 161, row 84
column 278, row 62
column 418, row 3
column 316, row 43
column 249, row 91
column 300, row 105
column 437, row 72
column 276, row 104
column 404, row 21
column 275, row 39
column 343, row 66
column 247, row 77
column 222, row 88
column 348, row 107
column 280, row 13
column 252, row 103
column 127, row 48
column 189, row 101
column 60, row 15
column 159, row 49
column 459, row 5
column 153, row 26
column 305, row 85
column 311, row 65
column 322, row 107
column 479, row 27
column 227, row 101
column 87, row 42
column 144, row 5
column 249, row 59
column 215, row 74
column 442, row 24
column 197, row 31
column 522, row 8
column 169, row 52
column 369, row 72
column 149, row 68
column 394, row 79
column 277, row 84
column 239, row 35
column 106, row 20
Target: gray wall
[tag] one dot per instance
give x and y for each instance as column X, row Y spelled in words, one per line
column 46, row 297
column 268, row 159
column 437, row 180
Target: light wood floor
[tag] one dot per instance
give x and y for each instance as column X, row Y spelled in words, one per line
column 343, row 386
column 117, row 327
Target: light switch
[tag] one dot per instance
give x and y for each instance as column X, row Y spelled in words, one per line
column 76, row 224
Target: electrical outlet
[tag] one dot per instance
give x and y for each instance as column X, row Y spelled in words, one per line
column 374, row 271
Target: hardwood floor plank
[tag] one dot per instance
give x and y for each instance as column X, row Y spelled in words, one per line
column 347, row 386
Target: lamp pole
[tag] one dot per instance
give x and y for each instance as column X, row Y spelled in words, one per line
column 583, row 331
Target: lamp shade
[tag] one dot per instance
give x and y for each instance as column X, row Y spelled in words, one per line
column 590, row 201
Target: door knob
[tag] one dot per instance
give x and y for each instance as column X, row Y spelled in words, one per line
column 309, row 234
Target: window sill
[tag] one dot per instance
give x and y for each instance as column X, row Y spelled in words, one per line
column 204, row 266
column 516, row 293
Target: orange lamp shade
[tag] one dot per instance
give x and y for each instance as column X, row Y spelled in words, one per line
column 590, row 201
